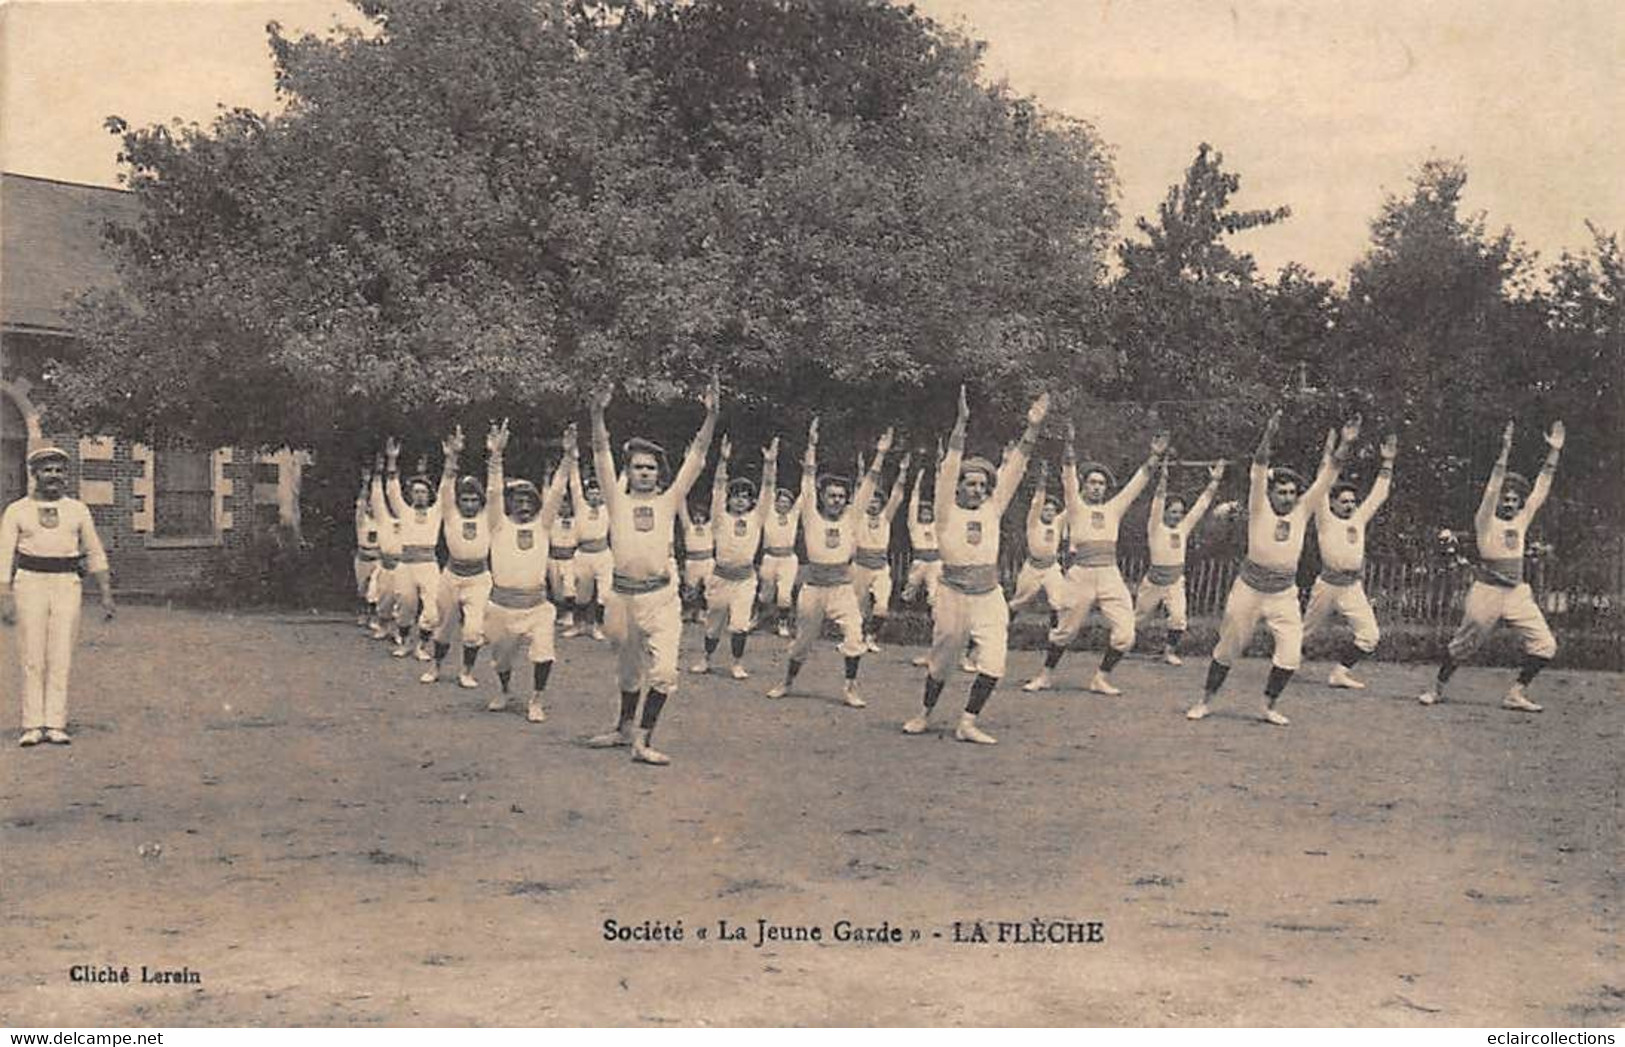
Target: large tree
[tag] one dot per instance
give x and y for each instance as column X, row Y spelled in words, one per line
column 485, row 206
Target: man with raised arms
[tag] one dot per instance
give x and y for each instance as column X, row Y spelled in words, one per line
column 366, row 554
column 871, row 563
column 642, row 614
column 1340, row 523
column 699, row 556
column 1499, row 592
column 830, row 523
column 385, row 586
column 593, row 568
column 465, row 581
column 1092, row 522
column 520, row 519
column 779, row 563
column 561, row 563
column 971, row 497
column 737, row 514
column 1041, row 570
column 417, row 579
column 1168, row 531
column 925, row 560
column 1278, row 509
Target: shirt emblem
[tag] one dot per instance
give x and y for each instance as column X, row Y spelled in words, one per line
column 740, row 527
column 1097, row 519
column 973, row 532
column 832, row 538
column 1354, row 535
column 525, row 538
column 643, row 517
column 471, row 530
column 50, row 517
column 1283, row 530
column 1509, row 538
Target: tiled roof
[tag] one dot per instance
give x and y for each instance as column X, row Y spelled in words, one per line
column 51, row 246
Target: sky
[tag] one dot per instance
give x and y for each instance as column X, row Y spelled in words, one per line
column 1321, row 106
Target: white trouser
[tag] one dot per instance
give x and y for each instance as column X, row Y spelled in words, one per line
column 561, row 578
column 594, row 573
column 838, row 603
column 1349, row 601
column 1488, row 605
column 778, row 579
column 469, row 594
column 872, row 587
column 416, row 587
column 506, row 628
column 47, row 621
column 645, row 630
column 1031, row 580
column 983, row 619
column 1150, row 596
column 1242, row 610
column 728, row 601
column 1090, row 586
column 926, row 574
column 695, row 572
column 364, row 570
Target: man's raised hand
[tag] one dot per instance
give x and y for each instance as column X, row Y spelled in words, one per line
column 964, row 404
column 1555, row 436
column 1351, row 430
column 1390, row 446
column 1215, row 472
column 1506, row 435
column 1159, row 443
column 884, row 443
column 725, row 449
column 712, row 396
column 1038, row 411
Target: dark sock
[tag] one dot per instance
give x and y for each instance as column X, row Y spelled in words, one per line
column 1352, row 655
column 539, row 672
column 653, row 702
column 440, row 650
column 404, row 632
column 425, row 635
column 1447, row 669
column 569, row 607
column 471, row 651
column 876, row 624
column 1174, row 636
column 629, row 707
column 1109, row 660
column 933, row 691
column 1054, row 618
column 736, row 644
column 1052, row 657
column 1216, row 672
column 1012, row 615
column 503, row 676
column 1532, row 665
column 790, row 671
column 852, row 667
column 711, row 645
column 981, row 689
column 1276, row 683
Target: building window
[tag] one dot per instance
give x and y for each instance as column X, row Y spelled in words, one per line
column 183, row 495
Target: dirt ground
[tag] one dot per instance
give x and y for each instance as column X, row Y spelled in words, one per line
column 341, row 845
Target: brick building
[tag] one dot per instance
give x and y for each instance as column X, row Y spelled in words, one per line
column 165, row 514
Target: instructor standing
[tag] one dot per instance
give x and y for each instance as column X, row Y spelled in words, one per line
column 48, row 541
